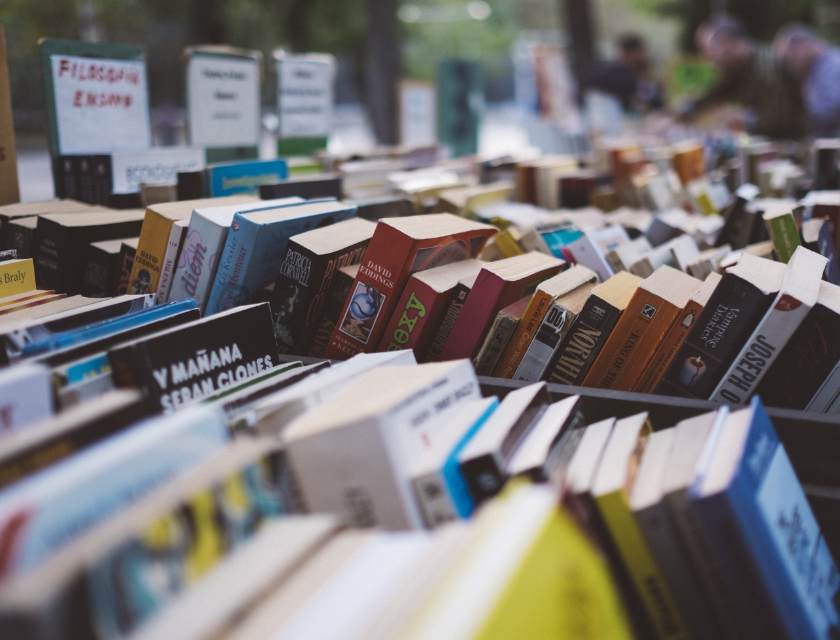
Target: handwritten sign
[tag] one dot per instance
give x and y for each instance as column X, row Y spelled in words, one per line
column 305, row 96
column 223, row 95
column 101, row 105
column 158, row 166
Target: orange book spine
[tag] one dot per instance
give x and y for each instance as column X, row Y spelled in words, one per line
column 639, row 332
column 525, row 331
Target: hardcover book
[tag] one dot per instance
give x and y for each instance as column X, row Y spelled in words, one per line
column 448, row 317
column 499, row 336
column 311, row 260
column 498, row 285
column 643, row 326
column 423, row 300
column 399, row 248
column 244, row 177
column 128, row 249
column 782, row 227
column 21, row 233
column 154, row 237
column 196, row 359
column 818, row 237
column 62, row 239
column 103, row 269
column 798, row 294
column 11, row 212
column 586, row 337
column 741, row 299
column 256, row 245
column 340, row 287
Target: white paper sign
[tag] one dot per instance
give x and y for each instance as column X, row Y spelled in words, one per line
column 101, row 105
column 224, row 101
column 418, row 114
column 305, row 98
column 155, row 166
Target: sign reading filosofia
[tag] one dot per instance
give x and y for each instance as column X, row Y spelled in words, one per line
column 224, row 101
column 101, row 105
column 305, row 96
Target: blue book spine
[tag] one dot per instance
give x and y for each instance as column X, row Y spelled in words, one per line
column 245, row 177
column 88, row 368
column 106, row 328
column 455, row 481
column 228, row 289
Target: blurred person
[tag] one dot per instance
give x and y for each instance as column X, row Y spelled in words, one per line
column 817, row 65
column 752, row 76
column 626, row 78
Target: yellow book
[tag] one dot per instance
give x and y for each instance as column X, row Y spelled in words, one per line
column 154, row 237
column 508, row 245
column 611, row 491
column 16, row 276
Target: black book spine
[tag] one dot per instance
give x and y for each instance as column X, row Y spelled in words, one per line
column 340, row 288
column 65, row 177
column 300, row 274
column 50, row 246
column 583, row 342
column 125, row 262
column 87, row 191
column 99, row 273
column 448, row 318
column 804, row 363
column 103, row 179
column 484, row 476
column 726, row 322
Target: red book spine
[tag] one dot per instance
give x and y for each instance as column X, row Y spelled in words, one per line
column 415, row 315
column 485, row 300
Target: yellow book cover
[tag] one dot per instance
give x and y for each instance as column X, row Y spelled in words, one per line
column 16, row 276
column 508, row 245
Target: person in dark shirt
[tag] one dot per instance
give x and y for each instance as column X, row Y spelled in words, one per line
column 626, row 77
column 753, row 77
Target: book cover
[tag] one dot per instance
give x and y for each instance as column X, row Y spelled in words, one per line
column 306, row 187
column 244, row 177
column 195, row 359
column 741, row 299
column 641, row 329
column 170, row 259
column 592, row 248
column 666, row 352
column 448, row 318
column 498, row 285
column 128, row 250
column 499, row 336
column 16, row 276
column 256, row 245
column 738, row 227
column 782, row 227
column 101, row 271
column 154, row 237
column 420, row 306
column 798, row 294
column 591, row 330
column 340, row 287
column 399, row 248
column 817, row 236
column 311, row 260
column 22, row 235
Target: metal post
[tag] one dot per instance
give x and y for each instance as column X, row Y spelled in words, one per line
column 383, row 68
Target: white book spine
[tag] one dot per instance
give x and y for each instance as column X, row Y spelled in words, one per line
column 433, row 498
column 587, row 254
column 173, row 248
column 553, row 328
column 761, row 350
column 198, row 262
column 26, row 397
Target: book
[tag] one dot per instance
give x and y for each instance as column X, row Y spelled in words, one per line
column 655, row 306
column 762, row 532
column 154, row 237
column 436, row 479
column 48, row 308
column 740, row 300
column 201, row 250
column 590, row 331
column 128, row 250
column 610, row 491
column 62, row 240
column 420, row 306
column 592, row 248
column 498, row 285
column 399, row 248
column 25, row 397
column 12, row 301
column 375, row 209
column 157, row 166
column 256, row 245
column 16, row 276
column 11, row 212
column 170, row 258
column 708, row 261
column 797, row 295
column 21, row 233
column 483, row 462
column 103, row 270
column 448, row 318
column 499, row 336
column 674, row 339
column 31, row 302
column 554, row 326
column 783, row 231
column 349, row 453
column 306, row 187
column 55, row 438
column 737, row 230
column 624, row 256
column 195, row 359
column 244, row 177
column 817, row 236
column 689, row 161
column 306, row 274
column 63, row 501
column 340, row 287
column 545, row 295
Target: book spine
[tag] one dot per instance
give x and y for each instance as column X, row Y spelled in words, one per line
column 448, row 319
column 340, row 288
column 228, row 289
column 484, row 476
column 760, row 351
column 170, row 261
column 475, row 317
column 785, row 236
column 433, row 498
column 103, row 181
column 98, row 275
column 498, row 337
column 553, row 329
column 293, row 294
column 87, row 191
column 65, row 178
column 125, row 273
column 128, row 370
column 716, row 338
column 411, row 316
column 198, row 262
column 668, row 349
column 528, row 326
column 584, row 341
column 151, row 251
column 22, row 240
